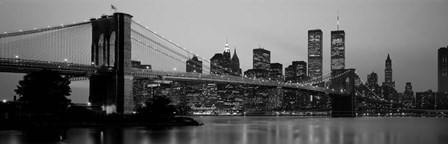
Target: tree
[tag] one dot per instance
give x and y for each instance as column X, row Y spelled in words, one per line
column 183, row 108
column 158, row 106
column 44, row 91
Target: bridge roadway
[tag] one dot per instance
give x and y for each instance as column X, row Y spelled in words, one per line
column 16, row 65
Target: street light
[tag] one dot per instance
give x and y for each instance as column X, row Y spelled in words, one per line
column 65, row 60
column 17, row 56
column 4, row 101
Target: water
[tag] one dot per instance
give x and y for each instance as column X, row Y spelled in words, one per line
column 254, row 130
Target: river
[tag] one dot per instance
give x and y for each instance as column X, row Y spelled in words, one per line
column 255, row 130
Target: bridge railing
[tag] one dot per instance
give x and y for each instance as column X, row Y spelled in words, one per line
column 223, row 78
column 17, row 62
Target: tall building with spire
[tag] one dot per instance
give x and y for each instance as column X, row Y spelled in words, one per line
column 337, row 48
column 223, row 64
column 235, row 66
column 226, row 52
column 388, row 73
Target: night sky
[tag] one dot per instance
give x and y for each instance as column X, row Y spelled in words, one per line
column 410, row 31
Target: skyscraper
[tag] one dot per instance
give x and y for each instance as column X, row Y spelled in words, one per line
column 388, row 73
column 290, row 74
column 315, row 53
column 216, row 64
column 442, row 70
column 408, row 98
column 194, row 65
column 276, row 72
column 224, row 64
column 300, row 69
column 226, row 59
column 372, row 79
column 295, row 72
column 408, row 87
column 337, row 50
column 235, row 64
column 261, row 59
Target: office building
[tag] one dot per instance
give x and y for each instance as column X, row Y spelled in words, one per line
column 388, row 73
column 315, row 58
column 442, row 70
column 223, row 64
column 337, row 50
column 261, row 59
column 372, row 79
column 194, row 65
column 276, row 72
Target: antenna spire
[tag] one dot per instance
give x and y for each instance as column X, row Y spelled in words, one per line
column 337, row 20
column 226, row 47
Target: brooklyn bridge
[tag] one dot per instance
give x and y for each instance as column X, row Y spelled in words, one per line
column 123, row 60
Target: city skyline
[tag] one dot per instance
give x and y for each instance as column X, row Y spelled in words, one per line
column 366, row 49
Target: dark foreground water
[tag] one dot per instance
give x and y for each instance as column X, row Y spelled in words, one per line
column 253, row 130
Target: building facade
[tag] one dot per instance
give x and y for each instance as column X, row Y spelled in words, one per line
column 425, row 100
column 290, row 74
column 408, row 89
column 276, row 72
column 442, row 70
column 408, row 96
column 315, row 58
column 139, row 65
column 372, row 79
column 223, row 64
column 337, row 50
column 216, row 64
column 235, row 64
column 194, row 65
column 261, row 59
column 257, row 73
column 388, row 81
column 296, row 72
column 300, row 70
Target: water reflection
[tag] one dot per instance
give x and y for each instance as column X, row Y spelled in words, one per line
column 251, row 130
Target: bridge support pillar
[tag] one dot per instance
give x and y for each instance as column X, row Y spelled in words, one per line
column 343, row 104
column 111, row 86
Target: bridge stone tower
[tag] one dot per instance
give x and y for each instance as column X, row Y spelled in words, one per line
column 111, row 86
column 343, row 105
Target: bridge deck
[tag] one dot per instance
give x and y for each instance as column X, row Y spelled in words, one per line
column 16, row 65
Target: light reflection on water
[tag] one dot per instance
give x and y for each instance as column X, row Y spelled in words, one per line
column 257, row 130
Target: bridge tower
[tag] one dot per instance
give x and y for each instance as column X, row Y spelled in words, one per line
column 111, row 86
column 343, row 105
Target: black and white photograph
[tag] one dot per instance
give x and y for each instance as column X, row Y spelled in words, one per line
column 223, row 71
